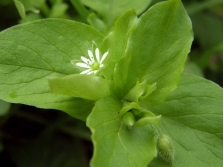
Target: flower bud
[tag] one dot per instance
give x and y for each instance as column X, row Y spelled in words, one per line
column 128, row 119
column 165, row 148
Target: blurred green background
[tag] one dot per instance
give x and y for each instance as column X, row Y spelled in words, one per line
column 32, row 137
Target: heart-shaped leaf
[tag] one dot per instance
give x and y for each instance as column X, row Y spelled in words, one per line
column 192, row 117
column 156, row 50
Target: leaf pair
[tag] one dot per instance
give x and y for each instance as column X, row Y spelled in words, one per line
column 142, row 53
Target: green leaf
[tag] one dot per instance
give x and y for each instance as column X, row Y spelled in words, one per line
column 115, row 42
column 114, row 143
column 58, row 10
column 127, row 106
column 140, row 91
column 156, row 50
column 32, row 52
column 83, row 86
column 192, row 117
column 21, row 10
column 112, row 9
column 96, row 22
column 36, row 6
column 82, row 11
column 148, row 120
column 137, row 91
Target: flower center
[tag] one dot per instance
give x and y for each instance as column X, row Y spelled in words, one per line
column 95, row 66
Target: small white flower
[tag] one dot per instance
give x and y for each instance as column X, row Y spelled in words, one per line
column 91, row 64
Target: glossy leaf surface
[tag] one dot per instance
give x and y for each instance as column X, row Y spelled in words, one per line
column 192, row 117
column 32, row 52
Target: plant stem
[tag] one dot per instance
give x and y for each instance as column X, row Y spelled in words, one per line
column 83, row 12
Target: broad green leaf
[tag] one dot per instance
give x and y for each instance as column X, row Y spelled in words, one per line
column 110, row 10
column 32, row 52
column 115, row 42
column 83, row 86
column 192, row 117
column 115, row 144
column 156, row 50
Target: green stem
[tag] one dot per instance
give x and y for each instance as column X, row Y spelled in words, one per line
column 45, row 9
column 21, row 9
column 83, row 12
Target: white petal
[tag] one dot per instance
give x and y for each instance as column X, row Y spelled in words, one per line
column 97, row 54
column 83, row 65
column 101, row 65
column 90, row 72
column 104, row 56
column 85, row 71
column 87, row 61
column 91, row 55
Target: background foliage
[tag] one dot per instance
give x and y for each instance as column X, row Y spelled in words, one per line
column 37, row 137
